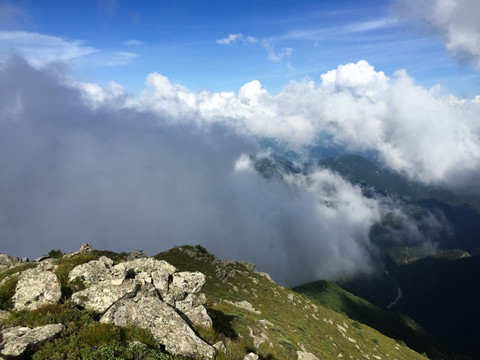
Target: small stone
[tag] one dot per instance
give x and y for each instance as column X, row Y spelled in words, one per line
column 250, row 356
column 220, row 346
column 303, row 355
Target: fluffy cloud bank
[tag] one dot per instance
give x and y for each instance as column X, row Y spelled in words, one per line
column 428, row 137
column 455, row 21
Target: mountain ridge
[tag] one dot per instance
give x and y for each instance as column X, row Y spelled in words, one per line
column 247, row 309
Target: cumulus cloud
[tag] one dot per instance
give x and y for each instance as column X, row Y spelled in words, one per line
column 81, row 163
column 426, row 135
column 455, row 21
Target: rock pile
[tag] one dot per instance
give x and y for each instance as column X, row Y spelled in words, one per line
column 144, row 292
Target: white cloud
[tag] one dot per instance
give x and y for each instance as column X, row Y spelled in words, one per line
column 40, row 49
column 232, row 38
column 267, row 44
column 370, row 25
column 423, row 134
column 455, row 21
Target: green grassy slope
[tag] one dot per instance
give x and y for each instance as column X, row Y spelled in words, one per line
column 284, row 321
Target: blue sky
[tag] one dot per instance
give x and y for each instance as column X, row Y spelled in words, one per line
column 274, row 42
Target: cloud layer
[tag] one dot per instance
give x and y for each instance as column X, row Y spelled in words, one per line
column 427, row 135
column 124, row 174
column 455, row 21
column 171, row 166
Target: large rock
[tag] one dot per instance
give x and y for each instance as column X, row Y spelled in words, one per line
column 193, row 308
column 7, row 261
column 167, row 327
column 158, row 271
column 184, row 283
column 18, row 341
column 93, row 272
column 102, row 296
column 36, row 288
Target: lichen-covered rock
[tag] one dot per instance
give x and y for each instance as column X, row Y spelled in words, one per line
column 250, row 356
column 193, row 308
column 302, row 355
column 93, row 272
column 103, row 295
column 7, row 261
column 184, row 283
column 167, row 327
column 137, row 254
column 159, row 271
column 18, row 341
column 36, row 288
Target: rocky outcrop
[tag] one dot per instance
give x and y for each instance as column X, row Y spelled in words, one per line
column 102, row 296
column 140, row 291
column 193, row 309
column 19, row 341
column 93, row 272
column 148, row 293
column 36, row 288
column 184, row 283
column 7, row 261
column 167, row 327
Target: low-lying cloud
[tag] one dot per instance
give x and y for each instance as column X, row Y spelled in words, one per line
column 171, row 166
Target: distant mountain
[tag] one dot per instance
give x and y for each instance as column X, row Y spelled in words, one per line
column 390, row 323
column 442, row 293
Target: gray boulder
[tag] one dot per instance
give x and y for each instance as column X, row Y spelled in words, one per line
column 7, row 261
column 137, row 254
column 18, row 341
column 250, row 356
column 184, row 283
column 36, row 288
column 101, row 296
column 147, row 270
column 193, row 309
column 167, row 327
column 93, row 272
